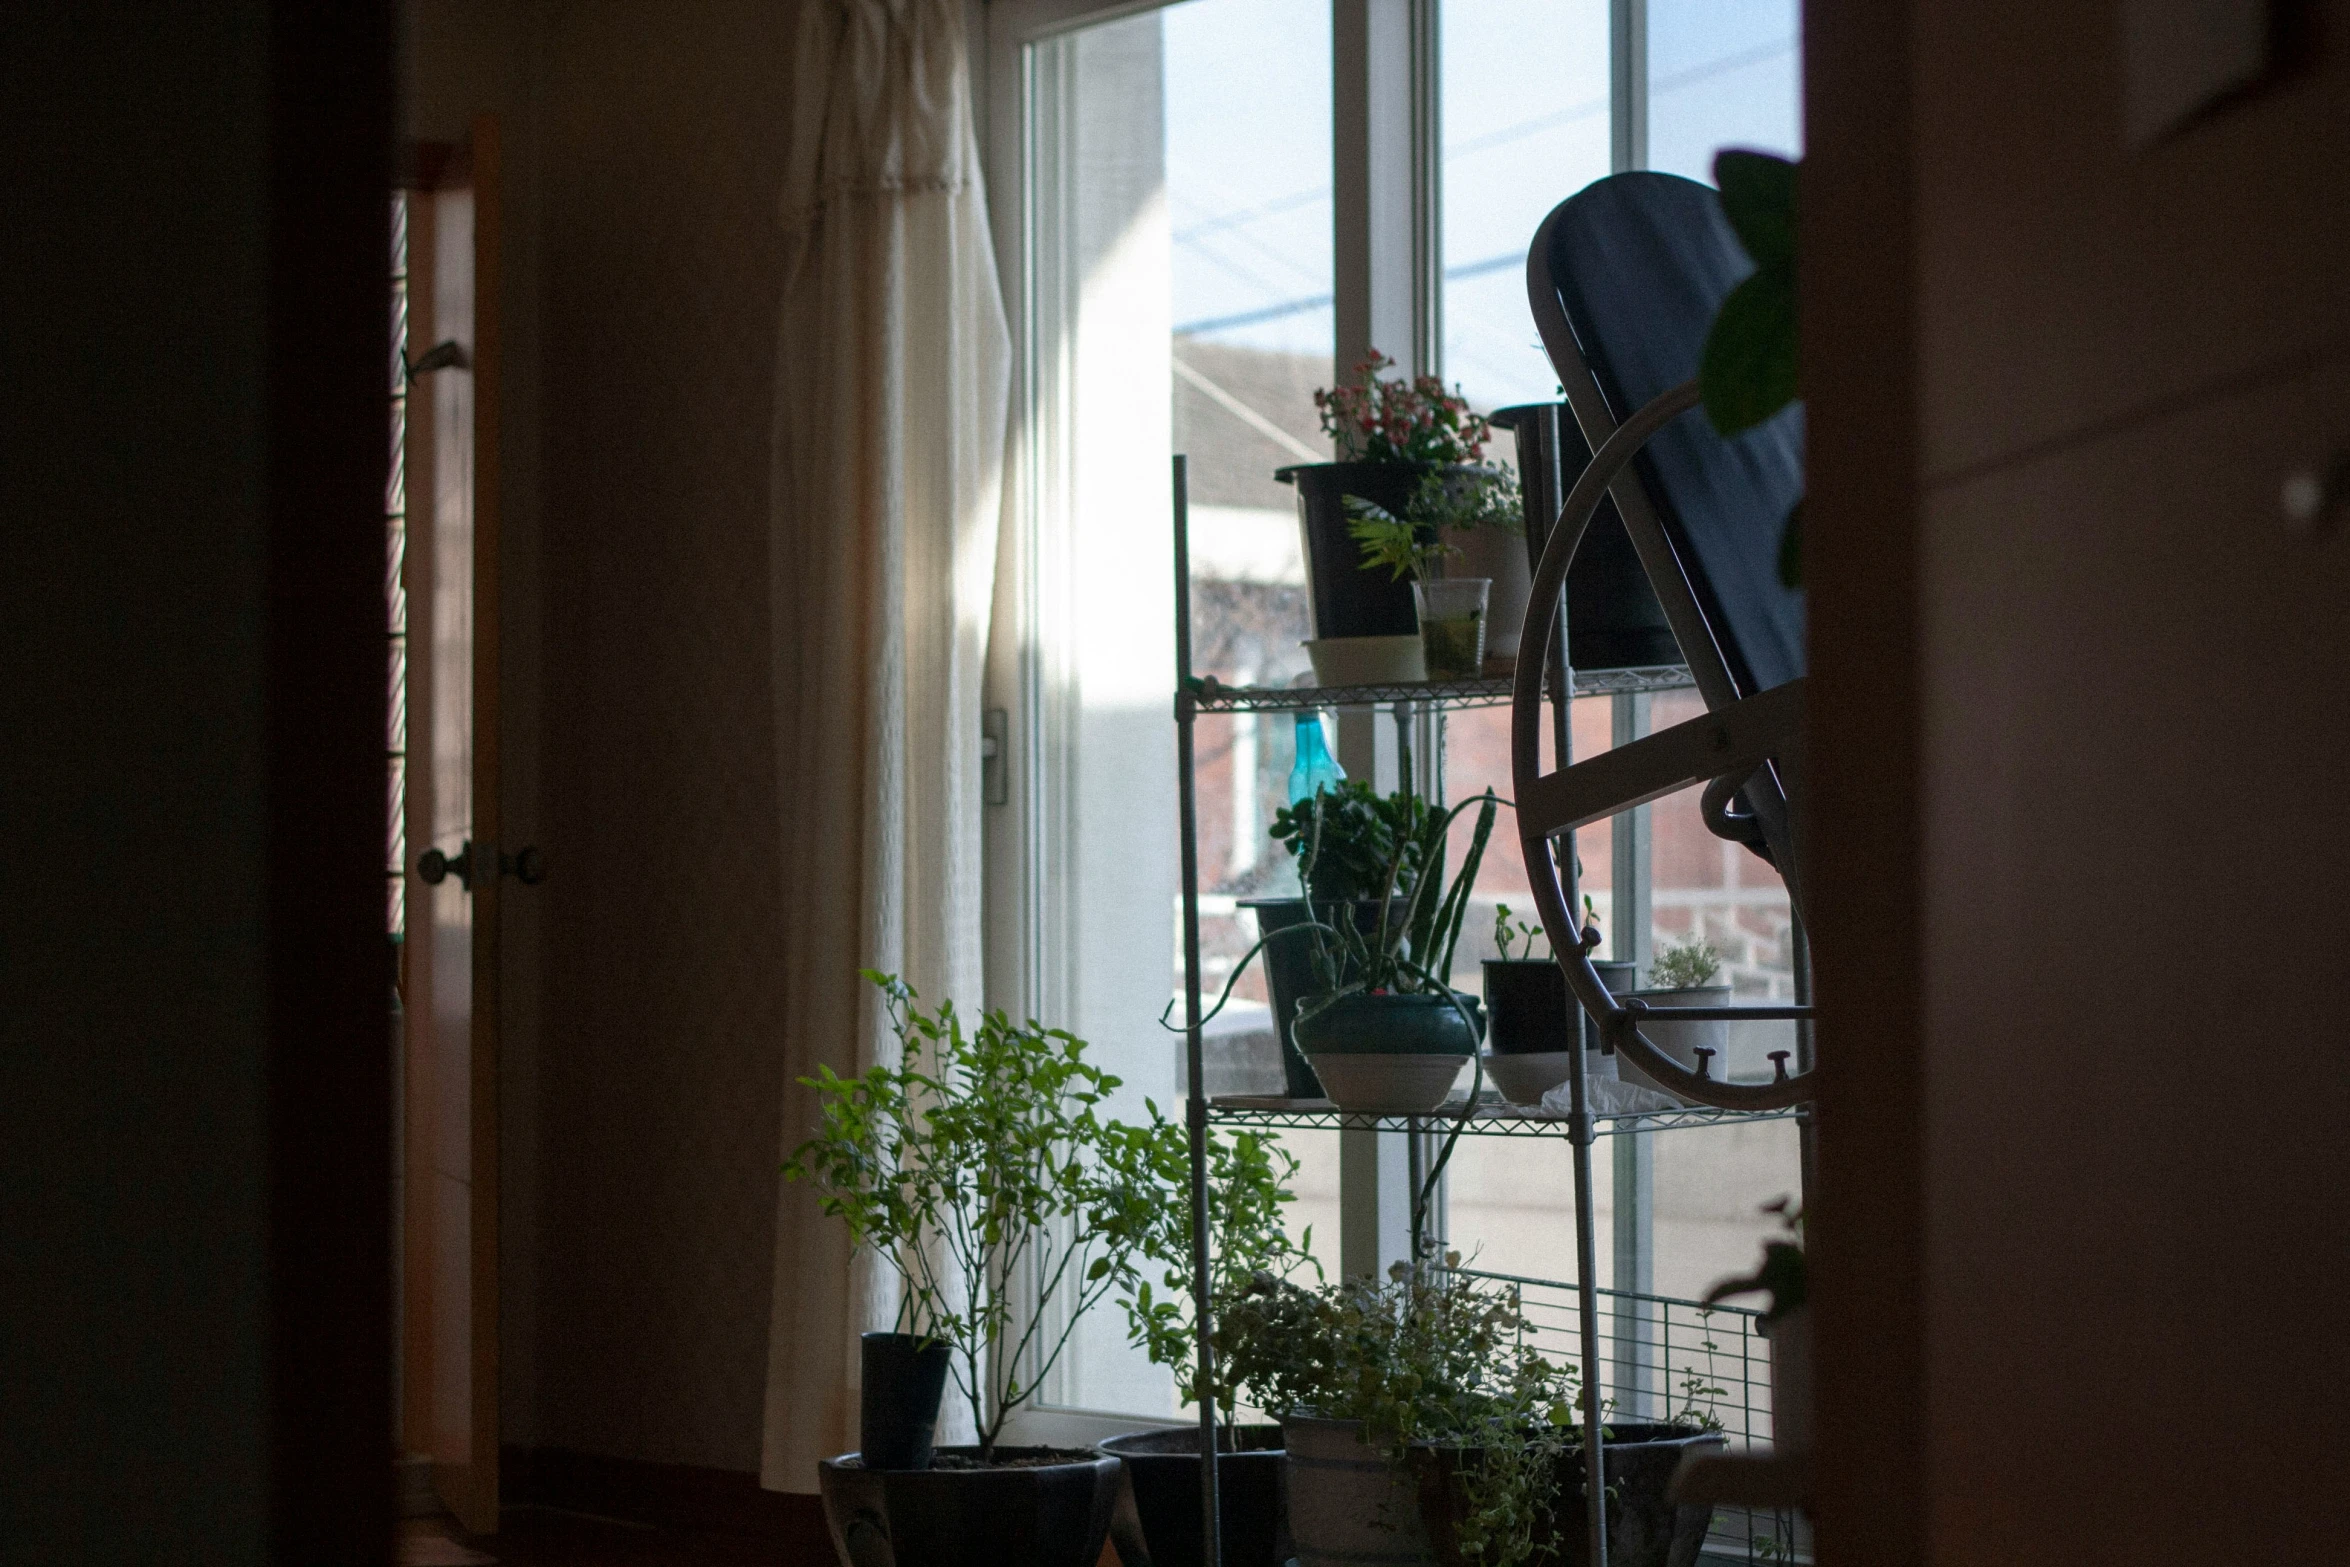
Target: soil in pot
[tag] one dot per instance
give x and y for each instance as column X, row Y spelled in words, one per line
column 1043, row 1507
column 1645, row 1528
column 904, row 1377
column 1250, row 1496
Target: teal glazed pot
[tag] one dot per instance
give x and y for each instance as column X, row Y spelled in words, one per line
column 1387, row 1054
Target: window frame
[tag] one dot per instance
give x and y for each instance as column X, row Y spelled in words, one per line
column 1388, row 284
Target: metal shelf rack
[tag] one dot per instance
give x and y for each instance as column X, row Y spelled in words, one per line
column 1492, row 1118
column 1196, row 695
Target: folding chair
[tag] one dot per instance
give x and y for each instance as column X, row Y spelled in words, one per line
column 1625, row 278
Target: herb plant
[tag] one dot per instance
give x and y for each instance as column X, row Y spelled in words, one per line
column 981, row 1172
column 1685, row 967
column 1399, row 419
column 1432, row 1358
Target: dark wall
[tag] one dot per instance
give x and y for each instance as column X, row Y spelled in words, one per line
column 192, row 973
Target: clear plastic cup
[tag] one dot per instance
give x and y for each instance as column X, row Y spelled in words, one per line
column 1452, row 625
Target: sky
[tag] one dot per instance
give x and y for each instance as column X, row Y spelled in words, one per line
column 1525, row 98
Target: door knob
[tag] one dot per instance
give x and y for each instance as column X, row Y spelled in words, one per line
column 528, row 867
column 436, row 867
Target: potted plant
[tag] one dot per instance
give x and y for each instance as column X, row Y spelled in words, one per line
column 1413, row 542
column 1683, row 976
column 1529, row 1012
column 1387, row 1033
column 1389, row 433
column 977, row 1170
column 1248, row 1185
column 1424, row 1427
column 1358, row 831
column 1784, row 1277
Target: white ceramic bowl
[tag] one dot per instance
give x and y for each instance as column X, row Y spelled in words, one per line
column 1367, row 661
column 1388, row 1084
column 1524, row 1079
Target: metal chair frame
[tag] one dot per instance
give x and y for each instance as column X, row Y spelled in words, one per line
column 1747, row 745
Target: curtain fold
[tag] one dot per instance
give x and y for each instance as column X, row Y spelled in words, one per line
column 893, row 368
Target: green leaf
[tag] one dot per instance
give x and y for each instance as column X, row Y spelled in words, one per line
column 1791, row 547
column 1748, row 369
column 1758, row 197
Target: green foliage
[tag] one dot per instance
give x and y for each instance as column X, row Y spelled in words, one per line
column 980, row 1171
column 1248, row 1186
column 1431, row 1358
column 1750, row 368
column 1406, row 945
column 1453, row 500
column 1507, row 930
column 1783, row 1275
column 1685, row 967
column 1346, row 837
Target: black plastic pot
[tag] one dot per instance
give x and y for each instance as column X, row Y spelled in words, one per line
column 904, row 1379
column 1040, row 1507
column 1645, row 1528
column 1613, row 618
column 1528, row 1008
column 1343, row 599
column 1251, row 1499
column 1290, row 976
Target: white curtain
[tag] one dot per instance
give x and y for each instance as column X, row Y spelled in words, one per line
column 892, row 382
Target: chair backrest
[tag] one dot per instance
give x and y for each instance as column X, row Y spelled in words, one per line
column 1638, row 264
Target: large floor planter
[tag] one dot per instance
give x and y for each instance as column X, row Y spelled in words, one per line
column 1038, row 1506
column 1645, row 1527
column 1251, row 1498
column 1387, row 1054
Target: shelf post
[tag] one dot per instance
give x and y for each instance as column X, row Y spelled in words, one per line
column 1195, row 1108
column 1634, row 1191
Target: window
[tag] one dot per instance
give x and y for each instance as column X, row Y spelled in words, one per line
column 1162, row 179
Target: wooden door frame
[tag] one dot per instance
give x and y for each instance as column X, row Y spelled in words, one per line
column 471, row 1489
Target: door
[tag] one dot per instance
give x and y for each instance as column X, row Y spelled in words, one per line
column 449, row 1345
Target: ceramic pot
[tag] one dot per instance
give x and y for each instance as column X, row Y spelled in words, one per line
column 1681, row 1040
column 1387, row 1054
column 1348, row 1507
column 1252, row 1503
column 1645, row 1527
column 1523, row 1079
column 1047, row 1508
column 1368, row 661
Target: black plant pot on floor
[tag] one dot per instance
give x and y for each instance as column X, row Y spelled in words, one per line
column 1251, row 1499
column 1645, row 1527
column 1040, row 1507
column 905, row 1376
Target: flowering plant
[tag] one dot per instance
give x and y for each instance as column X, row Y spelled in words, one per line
column 1400, row 419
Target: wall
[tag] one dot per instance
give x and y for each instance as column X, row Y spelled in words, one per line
column 643, row 1079
column 192, row 952
column 2080, row 715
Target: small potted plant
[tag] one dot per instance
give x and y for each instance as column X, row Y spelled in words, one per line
column 974, row 1169
column 1387, row 1033
column 1529, row 1012
column 1414, row 543
column 1783, row 1277
column 1683, row 976
column 1424, row 1426
column 1248, row 1185
column 1389, row 434
column 1357, row 831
